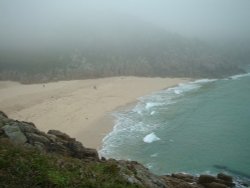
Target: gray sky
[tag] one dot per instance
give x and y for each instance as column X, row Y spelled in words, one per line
column 39, row 21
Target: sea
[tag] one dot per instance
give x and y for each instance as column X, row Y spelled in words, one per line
column 199, row 127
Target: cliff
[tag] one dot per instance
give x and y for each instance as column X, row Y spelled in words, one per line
column 31, row 158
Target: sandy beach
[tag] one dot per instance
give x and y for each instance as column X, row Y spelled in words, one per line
column 80, row 108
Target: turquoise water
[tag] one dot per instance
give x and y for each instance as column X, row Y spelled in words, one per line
column 197, row 127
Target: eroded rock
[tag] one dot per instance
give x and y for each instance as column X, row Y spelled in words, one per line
column 26, row 134
column 15, row 134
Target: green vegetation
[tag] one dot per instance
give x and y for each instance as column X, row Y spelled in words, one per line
column 22, row 167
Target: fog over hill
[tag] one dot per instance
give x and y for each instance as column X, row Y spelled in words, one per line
column 55, row 40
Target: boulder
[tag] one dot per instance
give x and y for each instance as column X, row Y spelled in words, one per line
column 61, row 135
column 138, row 174
column 37, row 138
column 57, row 147
column 215, row 185
column 28, row 127
column 39, row 146
column 15, row 134
column 186, row 177
column 26, row 133
column 77, row 150
column 175, row 182
column 205, row 179
column 1, row 124
column 222, row 180
column 225, row 177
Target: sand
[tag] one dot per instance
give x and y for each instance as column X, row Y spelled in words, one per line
column 80, row 108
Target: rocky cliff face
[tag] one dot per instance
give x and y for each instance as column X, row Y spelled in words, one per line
column 130, row 173
column 26, row 134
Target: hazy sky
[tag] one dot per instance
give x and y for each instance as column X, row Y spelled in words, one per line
column 41, row 20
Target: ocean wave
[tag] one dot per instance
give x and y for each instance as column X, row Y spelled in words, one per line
column 204, row 81
column 126, row 131
column 152, row 113
column 154, row 155
column 165, row 97
column 150, row 138
column 152, row 104
column 236, row 77
column 132, row 126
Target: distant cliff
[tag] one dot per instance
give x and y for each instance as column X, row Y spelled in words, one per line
column 31, row 158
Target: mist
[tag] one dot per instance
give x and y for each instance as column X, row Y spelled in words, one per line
column 38, row 23
column 90, row 38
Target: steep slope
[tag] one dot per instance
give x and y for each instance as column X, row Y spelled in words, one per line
column 31, row 158
column 124, row 47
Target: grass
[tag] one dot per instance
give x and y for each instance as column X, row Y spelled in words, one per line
column 21, row 167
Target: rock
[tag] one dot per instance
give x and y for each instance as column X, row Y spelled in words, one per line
column 3, row 114
column 28, row 127
column 64, row 144
column 222, row 181
column 103, row 159
column 61, row 135
column 185, row 185
column 1, row 131
column 26, row 133
column 15, row 134
column 185, row 177
column 1, row 124
column 173, row 182
column 245, row 184
column 37, row 138
column 204, row 179
column 29, row 136
column 52, row 137
column 57, row 147
column 225, row 177
column 39, row 146
column 229, row 184
column 87, row 152
column 138, row 174
column 215, row 185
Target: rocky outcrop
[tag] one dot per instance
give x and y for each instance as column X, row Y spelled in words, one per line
column 222, row 180
column 26, row 134
column 203, row 181
column 140, row 175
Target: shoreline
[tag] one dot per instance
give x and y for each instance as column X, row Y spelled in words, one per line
column 109, row 121
column 80, row 108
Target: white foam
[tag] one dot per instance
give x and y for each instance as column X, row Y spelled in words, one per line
column 138, row 108
column 204, row 81
column 186, row 87
column 177, row 92
column 149, row 165
column 131, row 127
column 236, row 77
column 150, row 138
column 152, row 113
column 151, row 104
column 154, row 155
column 181, row 88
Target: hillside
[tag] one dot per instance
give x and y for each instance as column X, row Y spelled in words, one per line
column 126, row 48
column 31, row 158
